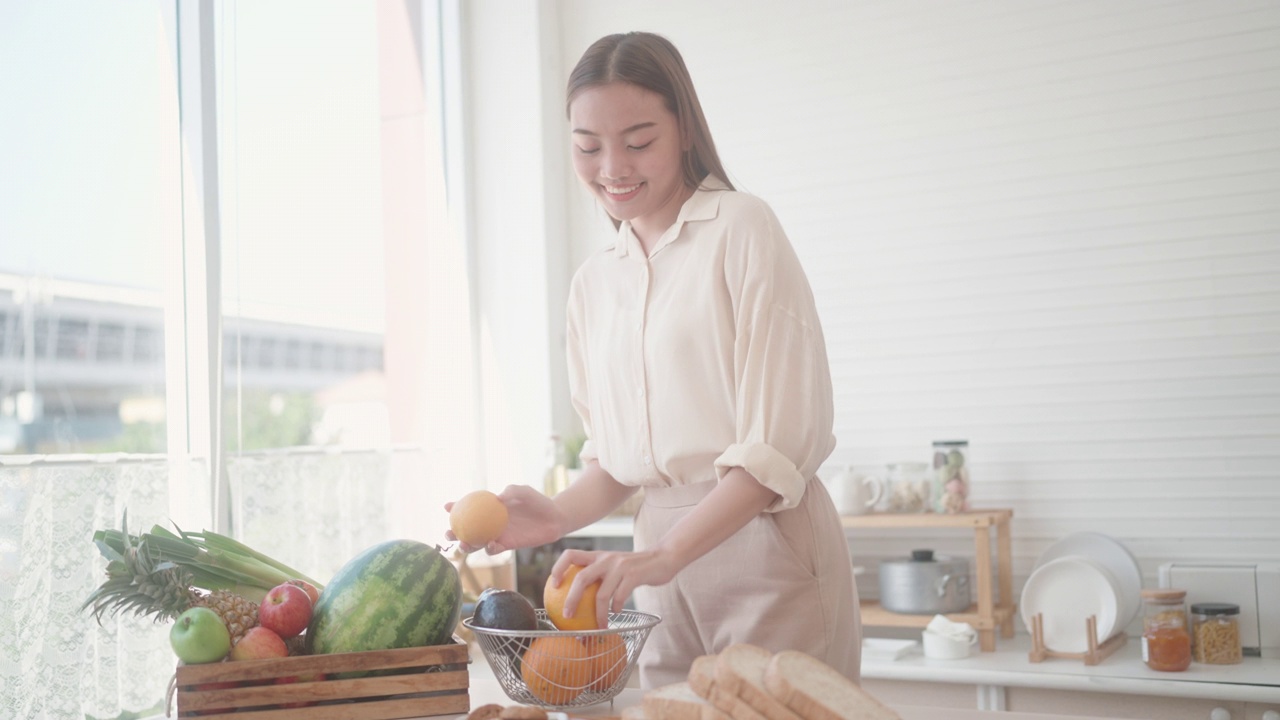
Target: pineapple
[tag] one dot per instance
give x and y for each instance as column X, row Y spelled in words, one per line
column 237, row 613
column 135, row 581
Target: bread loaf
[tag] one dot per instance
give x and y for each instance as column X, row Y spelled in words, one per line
column 815, row 691
column 740, row 671
column 702, row 675
column 734, row 706
column 678, row 701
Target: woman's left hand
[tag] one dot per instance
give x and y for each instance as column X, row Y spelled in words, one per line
column 619, row 574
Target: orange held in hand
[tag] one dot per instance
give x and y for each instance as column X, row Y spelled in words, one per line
column 478, row 518
column 584, row 617
column 556, row 669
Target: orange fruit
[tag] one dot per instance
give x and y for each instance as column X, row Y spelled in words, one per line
column 478, row 518
column 608, row 658
column 556, row 669
column 584, row 618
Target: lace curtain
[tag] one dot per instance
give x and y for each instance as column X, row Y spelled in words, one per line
column 55, row 660
column 314, row 510
column 311, row 510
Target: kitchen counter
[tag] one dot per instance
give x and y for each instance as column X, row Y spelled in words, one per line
column 485, row 689
column 1255, row 680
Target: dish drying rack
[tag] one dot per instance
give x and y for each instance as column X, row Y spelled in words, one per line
column 1094, row 655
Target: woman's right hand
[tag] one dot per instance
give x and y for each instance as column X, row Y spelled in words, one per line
column 532, row 519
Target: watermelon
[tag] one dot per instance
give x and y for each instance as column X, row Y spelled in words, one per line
column 396, row 594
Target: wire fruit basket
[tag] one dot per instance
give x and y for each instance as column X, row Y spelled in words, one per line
column 561, row 669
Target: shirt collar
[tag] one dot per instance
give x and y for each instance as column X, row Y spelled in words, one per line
column 704, row 204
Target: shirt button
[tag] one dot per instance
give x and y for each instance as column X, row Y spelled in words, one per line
column 640, row 392
column 647, row 459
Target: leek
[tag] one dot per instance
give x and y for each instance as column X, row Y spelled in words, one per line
column 214, row 561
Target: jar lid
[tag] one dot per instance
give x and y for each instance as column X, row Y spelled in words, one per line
column 1166, row 594
column 950, row 443
column 921, row 556
column 1215, row 609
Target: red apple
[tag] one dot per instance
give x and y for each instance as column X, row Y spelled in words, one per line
column 285, row 610
column 311, row 589
column 259, row 643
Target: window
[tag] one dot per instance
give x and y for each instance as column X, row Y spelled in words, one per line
column 104, row 325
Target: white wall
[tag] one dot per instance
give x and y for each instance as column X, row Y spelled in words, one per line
column 1051, row 229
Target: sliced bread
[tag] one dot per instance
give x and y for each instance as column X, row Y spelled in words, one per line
column 702, row 675
column 734, row 706
column 678, row 701
column 814, row 690
column 635, row 712
column 740, row 671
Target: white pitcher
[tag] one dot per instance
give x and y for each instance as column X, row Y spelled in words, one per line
column 854, row 494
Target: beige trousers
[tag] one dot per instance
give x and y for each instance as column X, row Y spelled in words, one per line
column 785, row 581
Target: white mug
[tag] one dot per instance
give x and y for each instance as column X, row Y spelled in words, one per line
column 854, row 494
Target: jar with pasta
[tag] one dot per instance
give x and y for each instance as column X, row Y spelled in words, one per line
column 1166, row 636
column 1216, row 633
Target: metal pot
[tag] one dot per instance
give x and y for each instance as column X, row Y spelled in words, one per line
column 924, row 585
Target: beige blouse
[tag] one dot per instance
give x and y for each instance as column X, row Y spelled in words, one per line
column 704, row 356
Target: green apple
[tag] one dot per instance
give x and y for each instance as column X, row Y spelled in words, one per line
column 198, row 636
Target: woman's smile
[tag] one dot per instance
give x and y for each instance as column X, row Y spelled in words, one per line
column 622, row 193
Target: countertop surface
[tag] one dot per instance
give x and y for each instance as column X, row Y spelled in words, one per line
column 1254, row 680
column 485, row 689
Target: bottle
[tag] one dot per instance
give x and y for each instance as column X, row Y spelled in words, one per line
column 557, row 477
column 950, row 492
column 1215, row 629
column 909, row 488
column 1166, row 636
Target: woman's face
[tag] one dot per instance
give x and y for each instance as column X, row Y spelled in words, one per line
column 627, row 151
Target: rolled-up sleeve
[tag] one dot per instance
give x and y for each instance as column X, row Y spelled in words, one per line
column 783, row 380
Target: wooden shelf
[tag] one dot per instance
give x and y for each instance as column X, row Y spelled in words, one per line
column 874, row 615
column 971, row 519
column 985, row 615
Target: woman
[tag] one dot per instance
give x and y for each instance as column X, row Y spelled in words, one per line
column 698, row 367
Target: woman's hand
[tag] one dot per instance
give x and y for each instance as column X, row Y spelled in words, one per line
column 532, row 519
column 619, row 574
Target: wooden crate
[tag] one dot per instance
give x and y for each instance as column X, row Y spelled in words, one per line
column 414, row 682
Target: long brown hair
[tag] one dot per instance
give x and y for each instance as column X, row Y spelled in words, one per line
column 651, row 62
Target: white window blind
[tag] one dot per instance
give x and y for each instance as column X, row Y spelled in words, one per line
column 1050, row 229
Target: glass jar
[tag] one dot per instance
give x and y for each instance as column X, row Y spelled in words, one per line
column 1166, row 636
column 1215, row 629
column 909, row 489
column 950, row 476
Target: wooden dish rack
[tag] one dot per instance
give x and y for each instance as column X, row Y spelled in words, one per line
column 1094, row 655
column 987, row 615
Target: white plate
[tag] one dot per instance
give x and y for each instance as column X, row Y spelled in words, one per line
column 1115, row 557
column 1065, row 592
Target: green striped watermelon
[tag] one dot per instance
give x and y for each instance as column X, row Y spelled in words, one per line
column 396, row 594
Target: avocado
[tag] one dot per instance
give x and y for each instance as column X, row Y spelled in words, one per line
column 504, row 610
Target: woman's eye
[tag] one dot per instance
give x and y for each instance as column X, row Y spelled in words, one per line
column 639, row 147
column 588, row 151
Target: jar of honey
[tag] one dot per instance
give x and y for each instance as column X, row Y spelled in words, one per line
column 1166, row 636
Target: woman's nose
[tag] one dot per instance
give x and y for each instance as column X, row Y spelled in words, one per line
column 615, row 165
